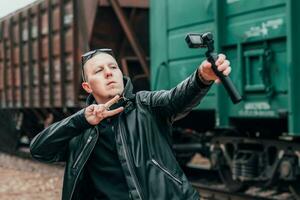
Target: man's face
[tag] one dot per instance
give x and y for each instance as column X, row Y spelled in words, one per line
column 104, row 78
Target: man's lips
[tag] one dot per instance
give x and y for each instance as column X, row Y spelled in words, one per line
column 110, row 82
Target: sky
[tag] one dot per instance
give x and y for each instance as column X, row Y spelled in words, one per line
column 8, row 6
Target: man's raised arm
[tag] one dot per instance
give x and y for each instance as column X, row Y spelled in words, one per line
column 178, row 101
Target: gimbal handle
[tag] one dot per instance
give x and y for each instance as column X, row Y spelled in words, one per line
column 205, row 40
column 226, row 80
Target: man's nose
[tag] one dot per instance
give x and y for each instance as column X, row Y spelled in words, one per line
column 108, row 72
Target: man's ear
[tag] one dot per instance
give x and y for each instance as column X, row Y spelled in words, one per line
column 86, row 87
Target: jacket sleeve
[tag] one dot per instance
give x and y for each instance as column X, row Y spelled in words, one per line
column 179, row 101
column 51, row 145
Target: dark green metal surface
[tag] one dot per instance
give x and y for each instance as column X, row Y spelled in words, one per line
column 171, row 60
column 293, row 65
column 260, row 38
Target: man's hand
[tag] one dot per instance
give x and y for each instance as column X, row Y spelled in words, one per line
column 94, row 113
column 206, row 73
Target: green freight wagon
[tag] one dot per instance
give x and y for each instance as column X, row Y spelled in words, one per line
column 260, row 40
column 256, row 140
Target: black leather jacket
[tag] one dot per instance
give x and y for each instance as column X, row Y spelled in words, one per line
column 143, row 141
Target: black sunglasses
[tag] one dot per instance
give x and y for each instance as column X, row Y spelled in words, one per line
column 88, row 55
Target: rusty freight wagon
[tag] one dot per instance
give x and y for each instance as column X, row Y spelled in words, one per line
column 40, row 52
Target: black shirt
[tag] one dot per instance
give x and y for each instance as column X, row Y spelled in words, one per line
column 104, row 167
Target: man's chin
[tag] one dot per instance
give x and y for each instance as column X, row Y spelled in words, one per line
column 115, row 93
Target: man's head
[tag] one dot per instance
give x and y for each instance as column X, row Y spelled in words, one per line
column 101, row 75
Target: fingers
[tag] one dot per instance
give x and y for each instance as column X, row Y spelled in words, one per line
column 221, row 62
column 217, row 81
column 227, row 71
column 206, row 64
column 112, row 112
column 112, row 101
column 90, row 108
column 100, row 111
column 224, row 65
column 221, row 59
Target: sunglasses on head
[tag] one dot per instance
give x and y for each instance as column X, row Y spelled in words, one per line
column 88, row 55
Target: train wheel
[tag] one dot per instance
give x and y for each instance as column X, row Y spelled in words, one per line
column 218, row 162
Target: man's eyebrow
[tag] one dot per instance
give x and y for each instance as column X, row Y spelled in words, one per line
column 97, row 67
column 112, row 63
column 102, row 65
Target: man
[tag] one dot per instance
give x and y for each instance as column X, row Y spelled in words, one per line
column 119, row 146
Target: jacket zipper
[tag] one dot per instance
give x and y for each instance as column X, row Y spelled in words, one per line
column 88, row 141
column 166, row 171
column 80, row 155
column 126, row 153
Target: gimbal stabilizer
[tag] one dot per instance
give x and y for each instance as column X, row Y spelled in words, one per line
column 205, row 40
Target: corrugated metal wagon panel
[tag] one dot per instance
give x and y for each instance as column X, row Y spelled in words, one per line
column 256, row 39
column 259, row 39
column 41, row 46
column 40, row 56
column 33, row 38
